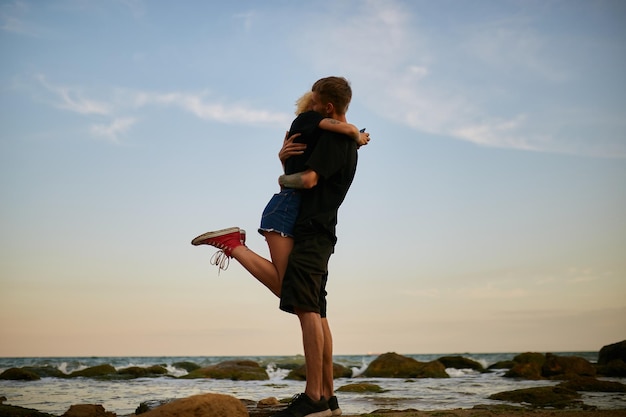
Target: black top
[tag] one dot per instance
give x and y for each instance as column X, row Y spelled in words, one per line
column 334, row 158
column 306, row 123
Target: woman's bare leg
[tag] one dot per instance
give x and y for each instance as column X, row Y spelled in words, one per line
column 267, row 273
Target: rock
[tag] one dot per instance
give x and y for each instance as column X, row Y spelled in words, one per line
column 392, row 365
column 146, row 406
column 15, row 411
column 590, row 384
column 566, row 367
column 139, row 372
column 187, row 366
column 87, row 410
column 268, row 402
column 616, row 351
column 615, row 368
column 243, row 370
column 459, row 362
column 361, row 387
column 46, row 371
column 527, row 365
column 213, row 405
column 612, row 360
column 339, row 371
column 501, row 365
column 556, row 397
column 19, row 374
column 94, row 371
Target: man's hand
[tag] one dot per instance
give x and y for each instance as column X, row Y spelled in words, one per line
column 289, row 148
column 364, row 139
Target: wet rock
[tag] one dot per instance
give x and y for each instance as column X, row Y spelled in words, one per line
column 501, row 365
column 187, row 366
column 361, row 387
column 392, row 365
column 19, row 374
column 566, row 367
column 95, row 371
column 339, row 371
column 214, row 405
column 615, row 368
column 590, row 384
column 46, row 371
column 556, row 397
column 15, row 411
column 616, row 351
column 527, row 365
column 243, row 370
column 139, row 372
column 460, row 362
column 612, row 360
column 88, row 410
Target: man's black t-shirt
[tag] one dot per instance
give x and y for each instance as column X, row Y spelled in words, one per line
column 334, row 159
column 306, row 123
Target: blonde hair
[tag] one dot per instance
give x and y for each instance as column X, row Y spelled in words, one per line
column 304, row 103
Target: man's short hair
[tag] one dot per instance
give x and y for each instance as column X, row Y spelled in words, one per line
column 334, row 90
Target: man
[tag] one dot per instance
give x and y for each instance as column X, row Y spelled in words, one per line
column 332, row 166
column 330, row 169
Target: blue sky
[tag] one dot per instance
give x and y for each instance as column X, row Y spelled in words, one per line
column 487, row 213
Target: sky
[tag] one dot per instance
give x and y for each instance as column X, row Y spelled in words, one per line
column 487, row 213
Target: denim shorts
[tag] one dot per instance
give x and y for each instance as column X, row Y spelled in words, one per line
column 281, row 212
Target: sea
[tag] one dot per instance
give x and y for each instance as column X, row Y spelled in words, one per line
column 464, row 389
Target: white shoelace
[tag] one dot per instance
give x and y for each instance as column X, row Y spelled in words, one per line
column 220, row 260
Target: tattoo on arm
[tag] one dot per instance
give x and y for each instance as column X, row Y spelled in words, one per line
column 291, row 181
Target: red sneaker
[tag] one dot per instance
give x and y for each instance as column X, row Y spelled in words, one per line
column 225, row 239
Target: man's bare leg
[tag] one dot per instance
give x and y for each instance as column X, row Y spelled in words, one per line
column 328, row 389
column 313, row 341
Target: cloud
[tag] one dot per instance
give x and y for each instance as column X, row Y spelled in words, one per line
column 9, row 20
column 500, row 81
column 113, row 129
column 207, row 110
column 72, row 99
column 123, row 106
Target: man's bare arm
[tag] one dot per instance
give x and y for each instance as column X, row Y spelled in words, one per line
column 300, row 180
column 361, row 138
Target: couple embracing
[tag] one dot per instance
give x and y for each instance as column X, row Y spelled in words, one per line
column 319, row 157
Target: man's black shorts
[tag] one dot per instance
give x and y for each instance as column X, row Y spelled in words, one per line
column 304, row 285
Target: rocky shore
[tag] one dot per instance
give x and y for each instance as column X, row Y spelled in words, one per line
column 575, row 375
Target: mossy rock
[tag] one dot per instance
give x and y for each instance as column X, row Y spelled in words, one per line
column 460, row 362
column 15, row 411
column 501, row 365
column 139, row 372
column 19, row 374
column 557, row 397
column 589, row 384
column 361, row 387
column 46, row 371
column 392, row 365
column 97, row 371
column 527, row 365
column 187, row 366
column 339, row 371
column 243, row 370
column 614, row 368
column 566, row 367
